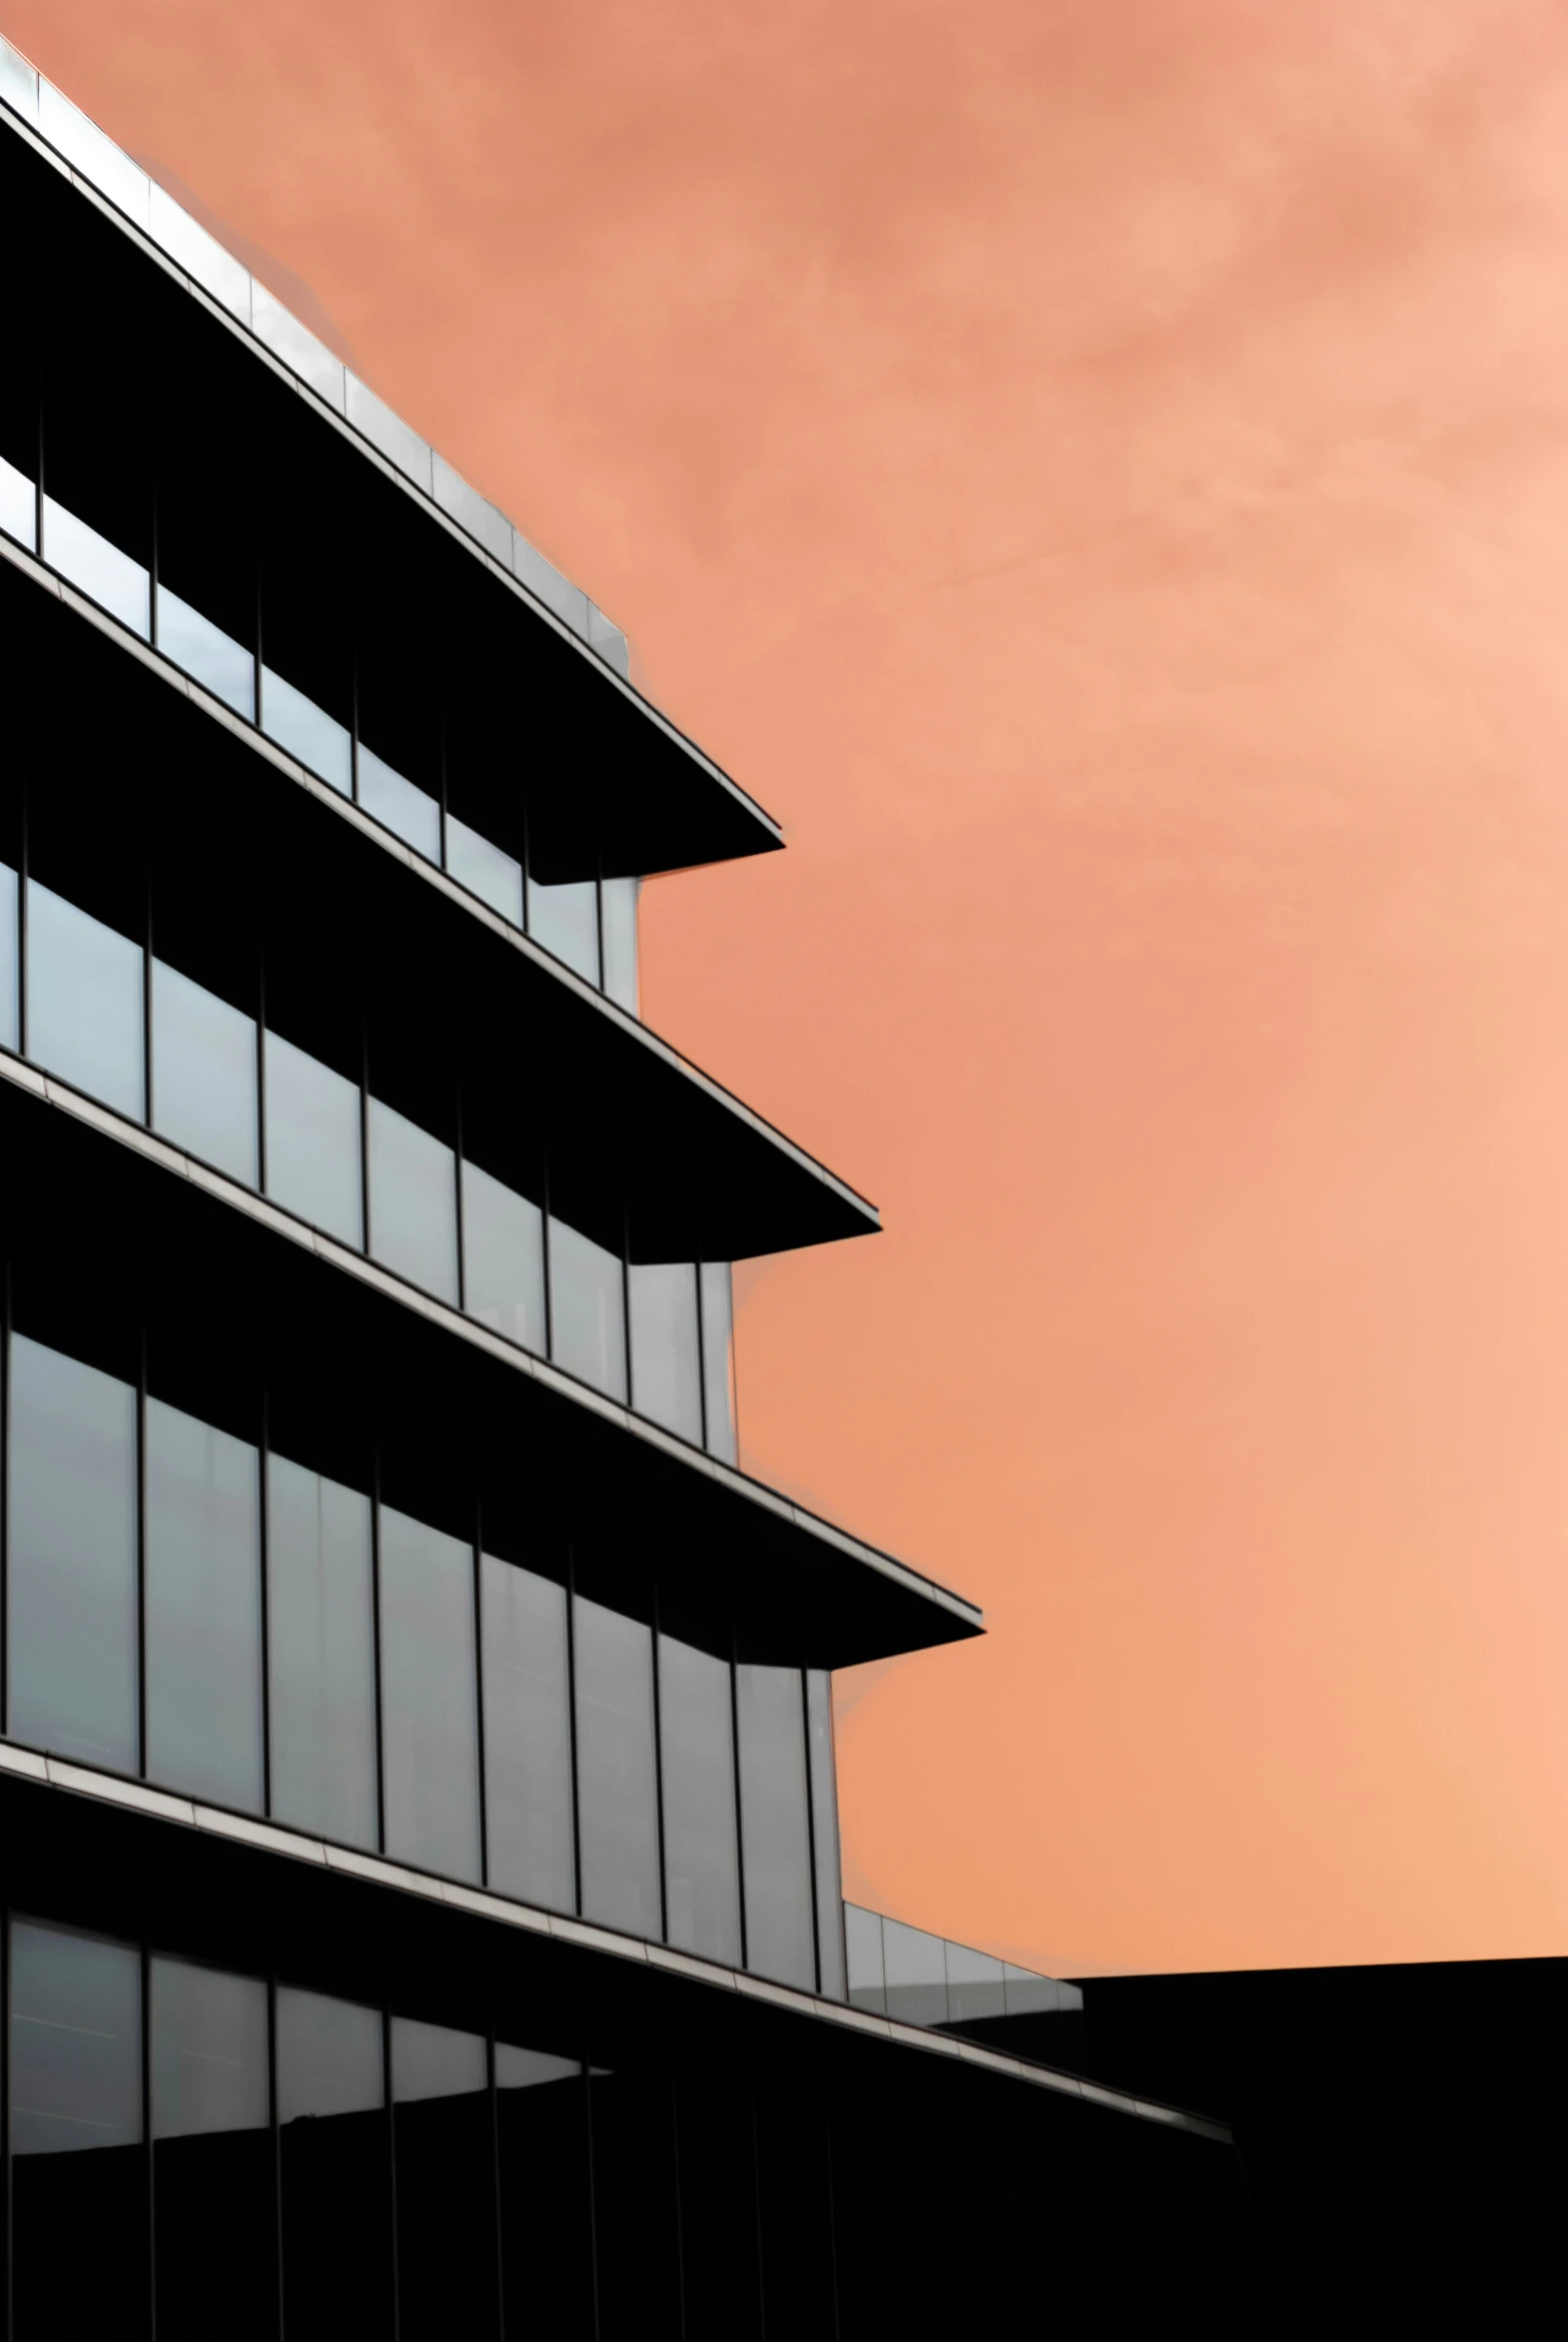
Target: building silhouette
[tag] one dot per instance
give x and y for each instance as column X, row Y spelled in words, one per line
column 419, row 1837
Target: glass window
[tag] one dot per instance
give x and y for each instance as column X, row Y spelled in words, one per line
column 528, row 1736
column 78, row 2168
column 18, row 505
column 566, row 920
column 85, row 1010
column 916, row 1967
column 433, row 2061
column 719, row 1359
column 666, row 1379
column 336, row 2170
column 414, row 1202
column 225, row 667
column 775, row 1831
column 204, row 1609
column 445, row 2144
column 485, row 870
column 619, row 901
column 636, row 2208
column 10, row 1016
column 502, row 1258
column 204, row 1074
column 320, row 1626
column 617, row 1816
column 975, row 1984
column 72, row 1559
column 214, row 2191
column 428, row 1690
column 307, row 733
column 399, row 806
column 541, row 2123
column 825, row 1832
column 587, row 1309
column 312, row 1141
column 868, row 1987
column 719, row 2212
column 697, row 1774
column 105, row 574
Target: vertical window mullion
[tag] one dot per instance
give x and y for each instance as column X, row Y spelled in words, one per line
column 571, row 1720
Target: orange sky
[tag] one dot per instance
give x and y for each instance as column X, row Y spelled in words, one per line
column 1098, row 471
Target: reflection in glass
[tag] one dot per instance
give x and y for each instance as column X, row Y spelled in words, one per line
column 825, row 1832
column 322, row 1671
column 617, row 1819
column 917, row 1978
column 566, row 920
column 18, row 505
column 775, row 1831
column 719, row 1359
column 312, row 1141
column 337, row 2172
column 223, row 666
column 83, row 1000
column 204, row 1074
column 863, row 1943
column 214, row 2192
column 697, row 1773
column 485, row 870
column 72, row 1558
column 445, row 2143
column 428, row 1721
column 541, row 2123
column 975, row 1987
column 204, row 1609
column 433, row 2061
column 666, row 1378
column 78, row 2171
column 528, row 1736
column 636, row 2208
column 587, row 1310
column 307, row 733
column 105, row 574
column 619, row 914
column 10, row 961
column 502, row 1258
column 399, row 806
column 414, row 1202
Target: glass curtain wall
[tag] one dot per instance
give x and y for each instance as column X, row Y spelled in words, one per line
column 149, row 1040
column 189, row 1604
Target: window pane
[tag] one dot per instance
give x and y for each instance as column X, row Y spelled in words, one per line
column 528, row 1736
column 825, row 1832
column 588, row 1314
column 428, row 1690
column 502, row 1258
column 396, row 803
column 208, row 2051
column 18, row 505
column 566, row 920
column 616, row 1798
column 312, row 1141
column 917, row 1974
column 445, row 2142
column 618, row 900
column 320, row 1626
column 697, row 1770
column 975, row 1987
column 485, row 870
column 307, row 733
column 542, row 2122
column 204, row 1609
column 774, row 1828
column 223, row 666
column 719, row 1359
column 336, row 2170
column 666, row 1381
column 83, row 1000
column 72, row 1637
column 204, row 1074
column 636, row 2208
column 104, row 573
column 414, row 1202
column 10, row 1021
column 866, row 1976
column 213, row 2176
column 720, row 2267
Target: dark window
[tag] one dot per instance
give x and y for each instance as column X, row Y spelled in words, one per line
column 775, row 1831
column 71, row 1627
column 204, row 1609
column 445, row 2139
column 428, row 1697
column 542, row 2122
column 636, row 2213
column 320, row 1624
column 718, row 2214
column 214, row 2167
column 336, row 2158
column 617, row 1818
column 697, row 1775
column 528, row 1736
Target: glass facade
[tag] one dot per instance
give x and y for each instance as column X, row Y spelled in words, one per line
column 301, row 1648
column 144, row 1038
column 899, row 1970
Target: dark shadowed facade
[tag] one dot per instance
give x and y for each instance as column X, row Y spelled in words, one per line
column 418, row 1825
